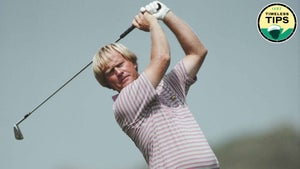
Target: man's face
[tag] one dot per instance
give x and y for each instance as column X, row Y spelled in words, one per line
column 120, row 72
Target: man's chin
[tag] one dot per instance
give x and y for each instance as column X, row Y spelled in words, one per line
column 127, row 81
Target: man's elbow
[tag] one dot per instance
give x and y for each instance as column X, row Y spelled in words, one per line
column 204, row 51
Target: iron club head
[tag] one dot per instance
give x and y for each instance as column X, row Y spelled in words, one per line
column 18, row 133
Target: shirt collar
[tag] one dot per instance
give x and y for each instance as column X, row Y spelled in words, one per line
column 114, row 97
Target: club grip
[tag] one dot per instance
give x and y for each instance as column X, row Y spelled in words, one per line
column 159, row 6
column 132, row 26
column 127, row 31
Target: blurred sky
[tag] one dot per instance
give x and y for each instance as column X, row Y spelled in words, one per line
column 246, row 85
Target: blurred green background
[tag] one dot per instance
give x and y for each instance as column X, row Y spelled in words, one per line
column 277, row 148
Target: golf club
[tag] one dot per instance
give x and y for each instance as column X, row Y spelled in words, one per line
column 17, row 131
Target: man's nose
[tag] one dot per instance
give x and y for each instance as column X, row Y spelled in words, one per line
column 118, row 71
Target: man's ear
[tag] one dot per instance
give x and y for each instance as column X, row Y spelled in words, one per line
column 136, row 67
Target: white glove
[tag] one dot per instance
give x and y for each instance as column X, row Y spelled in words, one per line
column 157, row 9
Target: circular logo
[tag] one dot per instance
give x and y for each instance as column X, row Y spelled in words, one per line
column 277, row 22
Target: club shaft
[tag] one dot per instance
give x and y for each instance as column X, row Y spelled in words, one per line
column 67, row 82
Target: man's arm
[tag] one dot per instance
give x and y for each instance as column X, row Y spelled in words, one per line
column 194, row 50
column 160, row 52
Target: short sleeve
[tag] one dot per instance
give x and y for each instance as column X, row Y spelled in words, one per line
column 132, row 102
column 179, row 78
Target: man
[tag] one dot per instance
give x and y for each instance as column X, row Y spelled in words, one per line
column 151, row 107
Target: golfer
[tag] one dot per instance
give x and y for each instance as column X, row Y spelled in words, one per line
column 151, row 107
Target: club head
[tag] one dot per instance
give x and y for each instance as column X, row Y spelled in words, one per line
column 18, row 133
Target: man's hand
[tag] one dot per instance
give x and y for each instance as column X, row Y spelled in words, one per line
column 144, row 21
column 157, row 9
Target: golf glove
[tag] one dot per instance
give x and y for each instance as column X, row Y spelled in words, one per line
column 157, row 9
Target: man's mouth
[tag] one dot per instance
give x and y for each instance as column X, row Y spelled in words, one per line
column 123, row 79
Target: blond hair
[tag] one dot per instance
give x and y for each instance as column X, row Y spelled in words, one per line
column 103, row 57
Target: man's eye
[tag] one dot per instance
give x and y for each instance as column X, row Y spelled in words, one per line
column 121, row 64
column 109, row 72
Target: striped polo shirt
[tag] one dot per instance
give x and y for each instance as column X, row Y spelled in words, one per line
column 160, row 123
